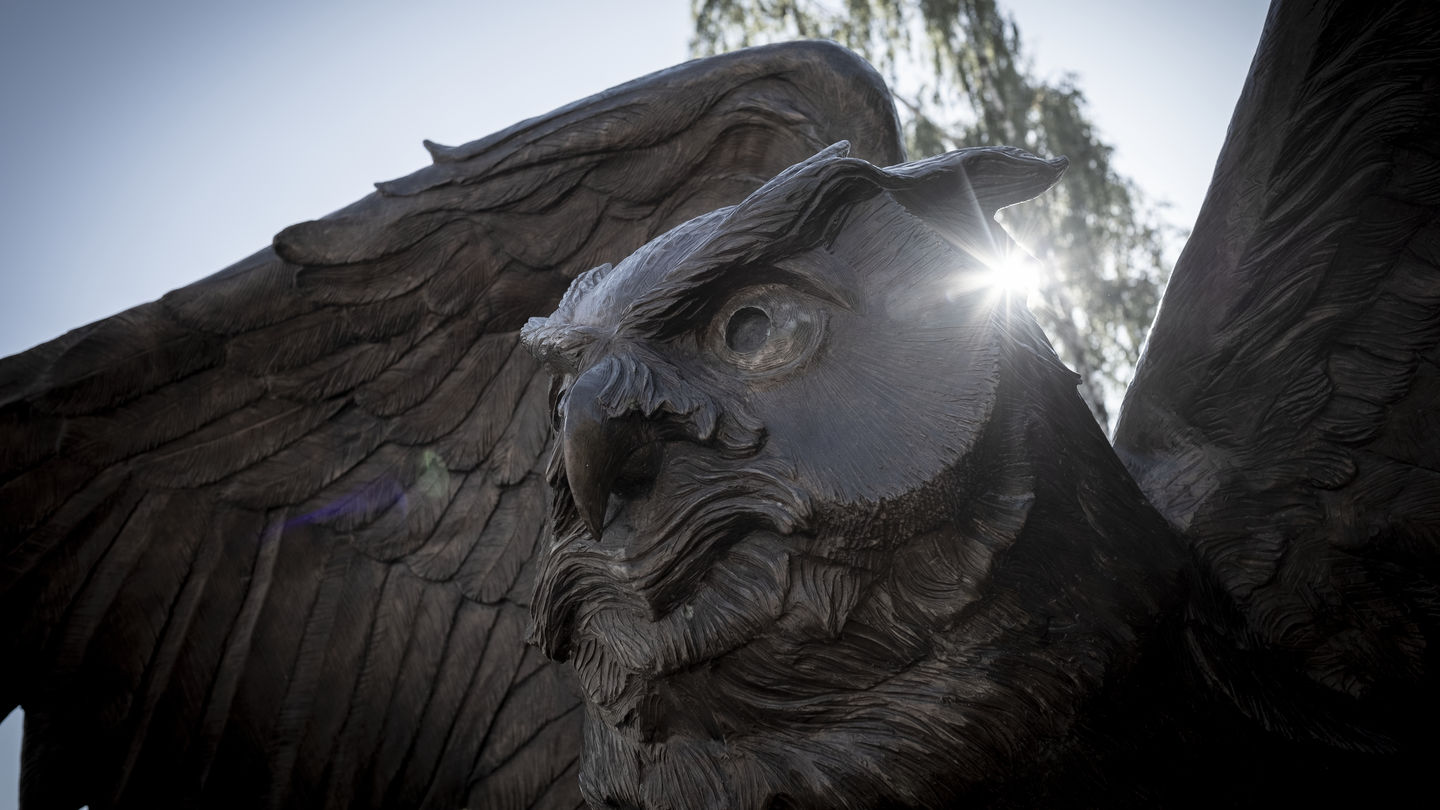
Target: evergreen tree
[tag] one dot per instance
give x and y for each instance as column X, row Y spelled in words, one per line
column 959, row 79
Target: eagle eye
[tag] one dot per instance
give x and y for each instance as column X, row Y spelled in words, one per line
column 767, row 328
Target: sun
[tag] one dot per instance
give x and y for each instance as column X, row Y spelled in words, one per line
column 1011, row 273
column 1015, row 271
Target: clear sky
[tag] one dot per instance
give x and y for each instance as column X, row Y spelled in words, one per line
column 148, row 143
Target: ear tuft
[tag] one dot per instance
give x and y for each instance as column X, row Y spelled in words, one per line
column 980, row 180
column 1003, row 176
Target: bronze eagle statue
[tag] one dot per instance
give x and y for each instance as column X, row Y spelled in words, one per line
column 670, row 451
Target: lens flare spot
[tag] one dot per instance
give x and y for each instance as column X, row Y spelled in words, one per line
column 1012, row 274
column 1016, row 272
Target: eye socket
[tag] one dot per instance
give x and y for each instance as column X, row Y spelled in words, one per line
column 766, row 329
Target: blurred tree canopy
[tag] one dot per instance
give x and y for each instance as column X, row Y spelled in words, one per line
column 959, row 79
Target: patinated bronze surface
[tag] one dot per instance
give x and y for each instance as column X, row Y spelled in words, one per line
column 829, row 526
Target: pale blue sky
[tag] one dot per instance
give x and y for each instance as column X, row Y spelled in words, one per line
column 148, row 143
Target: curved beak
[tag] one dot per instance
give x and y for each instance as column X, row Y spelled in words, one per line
column 599, row 450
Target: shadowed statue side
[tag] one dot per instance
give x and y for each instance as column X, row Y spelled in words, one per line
column 269, row 540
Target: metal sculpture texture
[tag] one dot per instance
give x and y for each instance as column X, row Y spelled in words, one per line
column 831, row 527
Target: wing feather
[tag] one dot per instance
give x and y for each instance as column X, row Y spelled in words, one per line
column 1280, row 416
column 507, row 541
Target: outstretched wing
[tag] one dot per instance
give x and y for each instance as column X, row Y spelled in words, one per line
column 1285, row 416
column 267, row 541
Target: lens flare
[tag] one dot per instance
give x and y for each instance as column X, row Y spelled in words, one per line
column 1015, row 272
